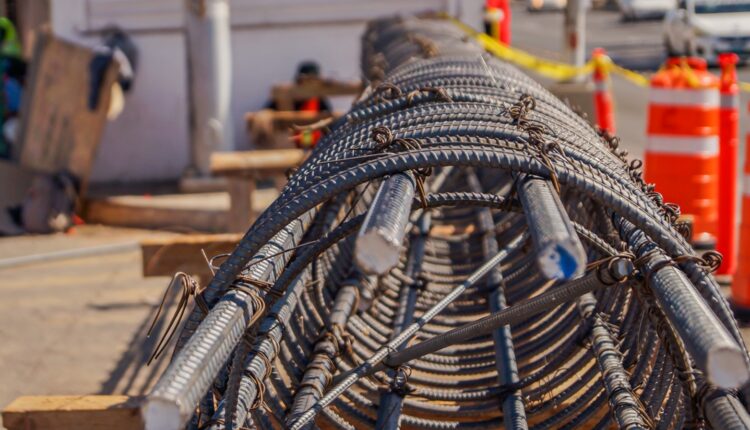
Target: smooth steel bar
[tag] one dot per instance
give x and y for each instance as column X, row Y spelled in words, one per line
column 382, row 234
column 560, row 254
column 621, row 269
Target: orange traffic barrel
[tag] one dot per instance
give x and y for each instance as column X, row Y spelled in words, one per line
column 603, row 104
column 741, row 280
column 682, row 148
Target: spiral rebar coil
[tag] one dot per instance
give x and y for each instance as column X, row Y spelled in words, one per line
column 495, row 167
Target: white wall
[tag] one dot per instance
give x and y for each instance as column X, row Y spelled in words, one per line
column 149, row 141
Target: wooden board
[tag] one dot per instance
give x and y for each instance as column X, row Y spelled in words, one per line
column 165, row 256
column 266, row 161
column 32, row 17
column 274, row 129
column 73, row 413
column 285, row 95
column 58, row 130
column 285, row 119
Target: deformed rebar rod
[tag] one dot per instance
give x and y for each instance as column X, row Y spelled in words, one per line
column 264, row 350
column 404, row 336
column 514, row 413
column 706, row 339
column 322, row 364
column 391, row 402
column 560, row 254
column 380, row 239
column 499, row 164
column 627, row 408
column 174, row 397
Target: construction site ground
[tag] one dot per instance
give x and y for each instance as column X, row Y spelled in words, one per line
column 78, row 326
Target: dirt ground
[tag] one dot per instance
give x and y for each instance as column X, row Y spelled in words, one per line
column 76, row 326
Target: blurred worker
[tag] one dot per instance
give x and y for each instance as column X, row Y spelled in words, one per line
column 307, row 72
column 12, row 73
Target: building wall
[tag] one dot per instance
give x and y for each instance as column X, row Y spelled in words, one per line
column 150, row 141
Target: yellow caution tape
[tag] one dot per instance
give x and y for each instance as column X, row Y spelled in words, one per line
column 550, row 69
column 563, row 71
column 630, row 75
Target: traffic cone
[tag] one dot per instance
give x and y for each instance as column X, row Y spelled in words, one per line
column 729, row 131
column 682, row 149
column 603, row 104
column 741, row 280
column 497, row 19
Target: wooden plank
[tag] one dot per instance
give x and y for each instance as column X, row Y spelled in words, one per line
column 241, row 209
column 267, row 161
column 142, row 212
column 285, row 119
column 73, row 413
column 273, row 129
column 282, row 94
column 165, row 256
column 33, row 17
column 58, row 130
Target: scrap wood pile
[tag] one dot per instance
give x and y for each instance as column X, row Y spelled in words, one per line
column 461, row 250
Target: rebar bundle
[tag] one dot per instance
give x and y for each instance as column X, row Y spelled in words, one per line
column 461, row 250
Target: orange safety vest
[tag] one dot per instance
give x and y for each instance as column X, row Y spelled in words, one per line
column 308, row 139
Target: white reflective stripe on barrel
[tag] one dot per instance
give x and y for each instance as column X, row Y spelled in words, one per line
column 684, row 145
column 601, row 86
column 746, row 185
column 730, row 101
column 707, row 97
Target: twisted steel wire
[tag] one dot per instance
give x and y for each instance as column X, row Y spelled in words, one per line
column 632, row 353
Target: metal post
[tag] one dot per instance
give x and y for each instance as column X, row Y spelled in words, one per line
column 575, row 32
column 210, row 80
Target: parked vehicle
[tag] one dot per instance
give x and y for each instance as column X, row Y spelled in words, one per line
column 707, row 28
column 541, row 5
column 642, row 9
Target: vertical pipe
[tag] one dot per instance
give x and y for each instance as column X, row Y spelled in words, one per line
column 575, row 31
column 210, row 80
